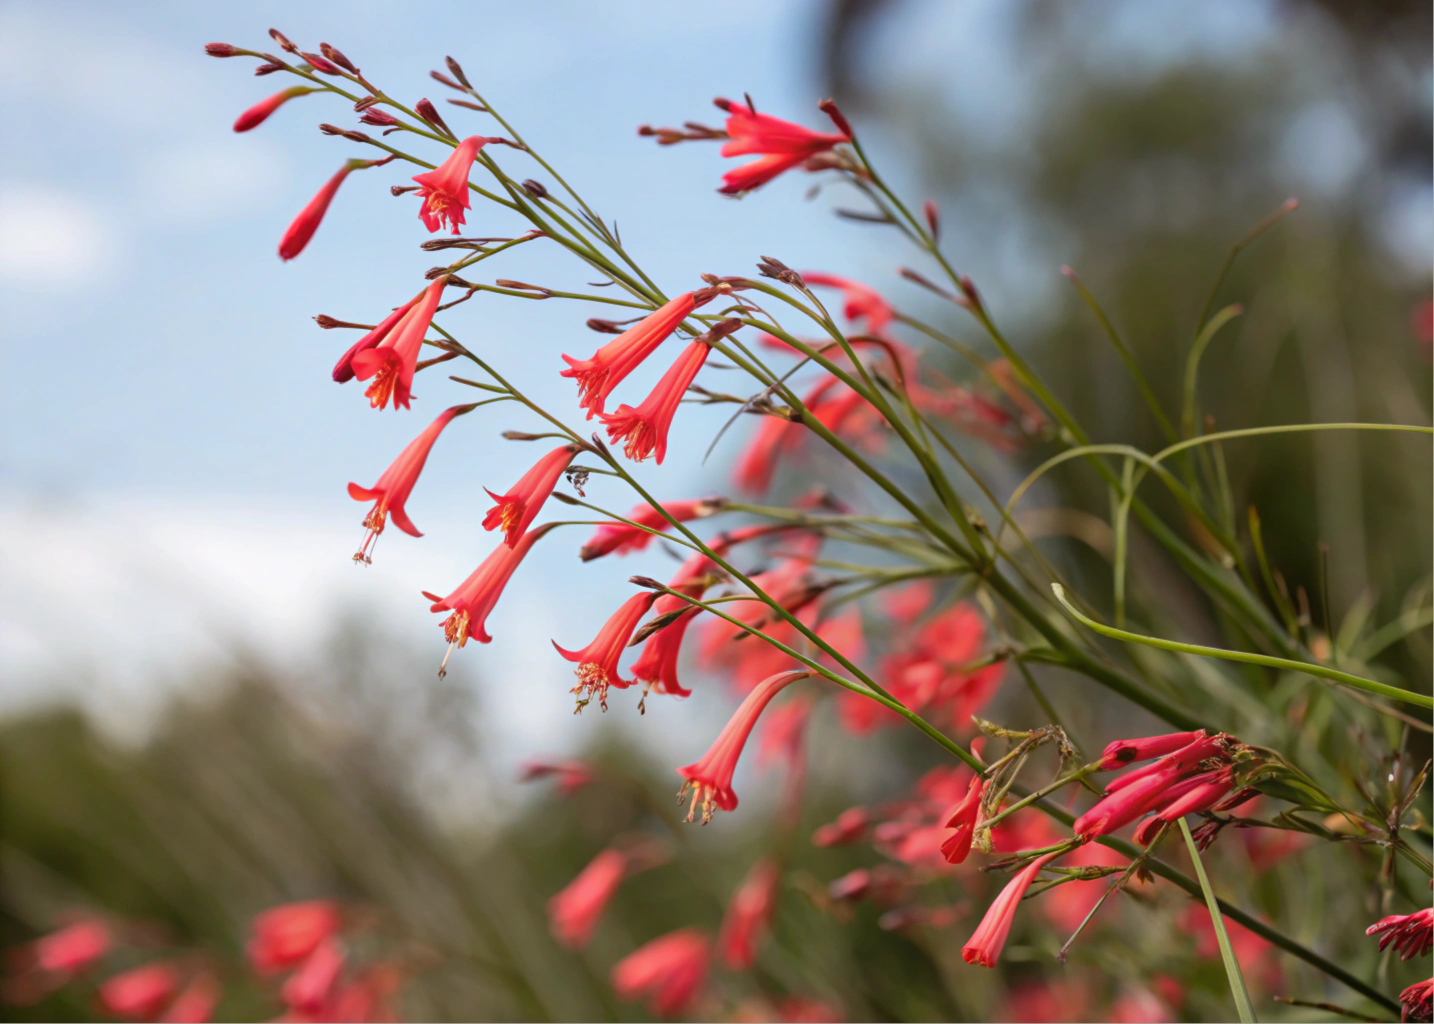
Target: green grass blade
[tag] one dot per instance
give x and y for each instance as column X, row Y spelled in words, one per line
column 1227, row 954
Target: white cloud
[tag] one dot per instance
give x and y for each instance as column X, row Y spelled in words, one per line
column 206, row 182
column 49, row 238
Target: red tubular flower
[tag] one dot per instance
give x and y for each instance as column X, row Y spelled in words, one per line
column 571, row 776
column 1124, row 806
column 669, row 970
column 517, row 509
column 1124, row 752
column 657, row 664
column 476, row 596
column 390, row 494
column 1203, row 792
column 392, row 360
column 862, row 302
column 284, row 936
column 957, row 846
column 781, row 145
column 573, row 914
column 259, row 112
column 1418, row 1001
column 72, row 949
column 597, row 662
column 308, row 988
column 645, row 428
column 710, row 779
column 620, row 538
column 748, row 915
column 307, row 222
column 195, row 1003
column 1411, row 934
column 850, row 827
column 1185, row 759
column 597, row 376
column 140, row 994
column 758, row 462
column 444, row 190
column 343, row 369
column 985, row 945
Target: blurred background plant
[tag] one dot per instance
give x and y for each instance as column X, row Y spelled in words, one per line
column 1133, row 158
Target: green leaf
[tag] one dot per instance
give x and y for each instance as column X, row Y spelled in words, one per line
column 1227, row 954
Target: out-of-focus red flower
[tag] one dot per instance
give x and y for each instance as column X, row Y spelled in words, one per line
column 140, row 993
column 444, row 190
column 1256, row 955
column 516, row 509
column 284, row 936
column 598, row 376
column 571, row 776
column 1054, row 1000
column 748, row 915
column 861, row 302
column 1139, row 1006
column 1418, row 1001
column 309, row 987
column 196, row 1002
column 73, row 949
column 780, row 146
column 390, row 494
column 710, row 779
column 1067, row 905
column 620, row 538
column 392, row 359
column 1421, row 322
column 849, row 827
column 259, row 112
column 669, row 971
column 643, row 430
column 784, row 732
column 1411, row 934
column 573, row 913
column 598, row 662
column 474, row 598
column 985, row 945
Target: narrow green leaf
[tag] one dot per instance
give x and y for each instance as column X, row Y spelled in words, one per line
column 1227, row 954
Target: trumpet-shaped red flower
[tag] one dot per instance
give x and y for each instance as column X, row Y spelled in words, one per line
column 597, row 662
column 1411, row 934
column 573, row 914
column 309, row 988
column 780, row 146
column 1186, row 759
column 390, row 494
column 140, row 993
column 1123, row 752
column 571, row 776
column 957, row 846
column 850, row 826
column 444, row 190
column 669, row 971
column 608, row 366
column 1198, row 794
column 284, row 936
column 748, row 915
column 657, row 664
column 861, row 301
column 392, row 359
column 1418, row 1001
column 259, row 112
column 710, row 779
column 474, row 598
column 645, row 428
column 70, row 950
column 343, row 369
column 517, row 509
column 620, row 538
column 985, row 945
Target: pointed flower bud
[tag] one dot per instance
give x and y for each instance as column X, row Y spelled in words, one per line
column 259, row 112
column 220, row 49
column 985, row 945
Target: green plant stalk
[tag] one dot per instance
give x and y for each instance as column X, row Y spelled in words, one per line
column 1227, row 954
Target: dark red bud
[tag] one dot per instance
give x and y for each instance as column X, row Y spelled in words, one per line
column 268, row 69
column 722, row 104
column 828, row 106
column 335, row 55
column 399, row 190
column 439, row 76
column 320, row 65
column 364, row 104
column 219, row 49
column 933, row 218
column 536, row 189
column 282, row 40
column 456, row 70
column 379, row 118
column 429, row 113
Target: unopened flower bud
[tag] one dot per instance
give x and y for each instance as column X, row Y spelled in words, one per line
column 352, row 136
column 456, row 70
column 828, row 106
column 536, row 189
column 220, row 49
column 519, row 435
column 722, row 104
column 933, row 218
column 335, row 55
column 321, row 65
column 364, row 104
column 399, row 190
column 379, row 118
column 429, row 113
column 604, row 326
column 282, row 40
column 439, row 76
column 503, row 282
column 777, row 270
column 268, row 69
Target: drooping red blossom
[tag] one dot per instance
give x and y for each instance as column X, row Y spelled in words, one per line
column 516, row 509
column 259, row 112
column 573, row 913
column 669, row 971
column 710, row 779
column 444, row 190
column 309, row 987
column 620, row 538
column 749, row 913
column 343, row 369
column 957, row 846
column 570, row 776
column 302, row 228
column 196, row 1002
column 366, row 998
column 657, row 664
column 985, row 945
column 1119, row 753
column 1204, row 792
column 140, row 993
column 861, row 301
column 758, row 462
column 1185, row 759
column 784, row 733
column 390, row 494
column 284, row 936
column 598, row 662
column 72, row 949
column 1411, row 934
column 599, row 375
column 471, row 602
column 644, row 429
column 1417, row 1001
column 780, row 146
column 392, row 360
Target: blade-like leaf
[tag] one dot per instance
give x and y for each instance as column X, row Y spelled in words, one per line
column 1227, row 954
